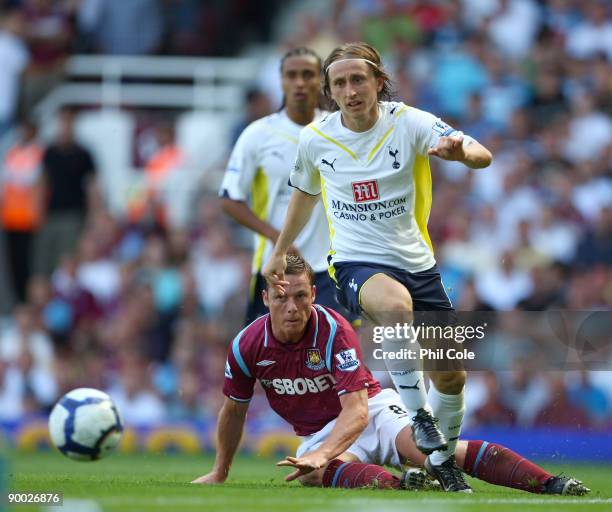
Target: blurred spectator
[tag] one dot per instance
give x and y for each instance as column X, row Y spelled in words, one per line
column 594, row 34
column 592, row 190
column 21, row 204
column 188, row 403
column 73, row 306
column 29, row 349
column 475, row 122
column 548, row 288
column 163, row 278
column 49, row 36
column 122, row 28
column 559, row 411
column 554, row 237
column 513, row 27
column 163, row 165
column 504, row 92
column 12, row 391
column 485, row 234
column 68, row 171
column 257, row 106
column 590, row 131
column 520, row 201
column 167, row 158
column 133, row 392
column 184, row 27
column 560, row 16
column 525, row 390
column 503, row 287
column 527, row 255
column 389, row 23
column 97, row 272
column 24, row 336
column 457, row 75
column 493, row 411
column 547, row 100
column 596, row 244
column 217, row 270
column 592, row 399
column 14, row 57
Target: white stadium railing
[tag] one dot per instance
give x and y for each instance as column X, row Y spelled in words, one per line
column 209, row 93
column 215, row 82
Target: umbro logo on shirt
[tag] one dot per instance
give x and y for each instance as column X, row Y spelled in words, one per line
column 265, row 362
column 330, row 164
column 353, row 285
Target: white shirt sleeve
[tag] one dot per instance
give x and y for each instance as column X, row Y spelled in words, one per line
column 428, row 129
column 305, row 174
column 242, row 166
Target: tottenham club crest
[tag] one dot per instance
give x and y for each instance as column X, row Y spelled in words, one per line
column 314, row 361
column 395, row 164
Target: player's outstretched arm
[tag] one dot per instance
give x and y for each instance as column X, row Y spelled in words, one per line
column 241, row 213
column 229, row 432
column 351, row 422
column 474, row 155
column 298, row 213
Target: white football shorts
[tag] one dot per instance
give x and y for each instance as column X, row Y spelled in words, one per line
column 376, row 444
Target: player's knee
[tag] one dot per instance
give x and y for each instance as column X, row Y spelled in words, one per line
column 450, row 383
column 397, row 303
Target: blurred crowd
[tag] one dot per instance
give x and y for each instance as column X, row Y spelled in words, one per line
column 145, row 311
column 36, row 37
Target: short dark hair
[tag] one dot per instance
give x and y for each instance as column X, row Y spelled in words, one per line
column 296, row 266
column 358, row 50
column 300, row 51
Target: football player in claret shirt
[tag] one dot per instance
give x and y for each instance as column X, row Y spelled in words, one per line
column 377, row 196
column 308, row 360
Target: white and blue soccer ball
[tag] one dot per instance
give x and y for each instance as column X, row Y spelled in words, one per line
column 85, row 424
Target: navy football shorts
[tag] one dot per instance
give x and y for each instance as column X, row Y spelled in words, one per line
column 426, row 288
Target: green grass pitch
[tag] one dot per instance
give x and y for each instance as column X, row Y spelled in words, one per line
column 161, row 482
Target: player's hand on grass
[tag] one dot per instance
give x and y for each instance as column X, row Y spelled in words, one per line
column 304, row 465
column 210, row 478
column 449, row 148
column 274, row 271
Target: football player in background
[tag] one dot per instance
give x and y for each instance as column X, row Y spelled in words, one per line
column 369, row 161
column 308, row 360
column 259, row 168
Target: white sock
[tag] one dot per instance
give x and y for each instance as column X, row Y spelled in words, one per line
column 449, row 409
column 407, row 376
column 411, row 389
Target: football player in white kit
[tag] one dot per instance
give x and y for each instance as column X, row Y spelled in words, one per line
column 369, row 161
column 258, row 170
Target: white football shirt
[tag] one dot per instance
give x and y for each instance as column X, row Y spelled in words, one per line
column 258, row 171
column 375, row 185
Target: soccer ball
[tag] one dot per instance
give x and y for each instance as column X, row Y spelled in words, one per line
column 85, row 424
